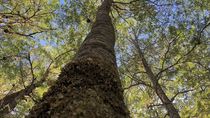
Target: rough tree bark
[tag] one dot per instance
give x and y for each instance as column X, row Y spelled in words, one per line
column 89, row 86
column 172, row 111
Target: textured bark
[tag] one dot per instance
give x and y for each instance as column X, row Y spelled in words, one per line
column 89, row 86
column 172, row 111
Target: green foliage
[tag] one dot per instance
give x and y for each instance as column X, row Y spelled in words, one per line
column 173, row 35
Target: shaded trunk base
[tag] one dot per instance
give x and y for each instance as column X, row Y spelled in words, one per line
column 85, row 89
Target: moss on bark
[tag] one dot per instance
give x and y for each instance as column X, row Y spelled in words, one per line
column 85, row 88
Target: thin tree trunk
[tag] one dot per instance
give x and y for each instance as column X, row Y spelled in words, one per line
column 89, row 86
column 172, row 111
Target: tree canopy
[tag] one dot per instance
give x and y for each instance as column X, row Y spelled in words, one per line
column 164, row 43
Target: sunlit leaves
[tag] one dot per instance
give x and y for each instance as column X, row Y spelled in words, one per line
column 168, row 32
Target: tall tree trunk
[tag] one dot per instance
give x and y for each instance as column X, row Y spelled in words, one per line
column 172, row 111
column 89, row 86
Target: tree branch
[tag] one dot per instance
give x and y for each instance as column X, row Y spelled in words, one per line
column 180, row 92
column 154, row 105
column 31, row 68
column 177, row 62
column 137, row 84
column 156, row 4
column 125, row 2
column 168, row 50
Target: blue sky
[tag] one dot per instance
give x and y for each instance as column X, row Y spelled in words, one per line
column 62, row 2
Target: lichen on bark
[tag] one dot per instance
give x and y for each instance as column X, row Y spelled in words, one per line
column 85, row 88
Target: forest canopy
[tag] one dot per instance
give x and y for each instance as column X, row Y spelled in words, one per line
column 162, row 52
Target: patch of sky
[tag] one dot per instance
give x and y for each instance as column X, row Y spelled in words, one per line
column 206, row 12
column 120, row 56
column 43, row 42
column 174, row 8
column 53, row 23
column 170, row 15
column 143, row 36
column 1, row 8
column 61, row 12
column 78, row 10
column 68, row 1
column 62, row 2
